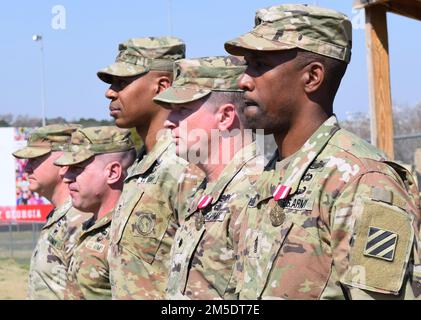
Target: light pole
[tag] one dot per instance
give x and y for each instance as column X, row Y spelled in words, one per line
column 170, row 17
column 38, row 38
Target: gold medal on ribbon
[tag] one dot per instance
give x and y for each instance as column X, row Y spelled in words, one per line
column 277, row 216
column 200, row 221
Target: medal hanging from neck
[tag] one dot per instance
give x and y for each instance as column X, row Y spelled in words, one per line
column 200, row 218
column 277, row 215
column 281, row 192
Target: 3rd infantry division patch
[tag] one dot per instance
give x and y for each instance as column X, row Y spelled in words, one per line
column 381, row 244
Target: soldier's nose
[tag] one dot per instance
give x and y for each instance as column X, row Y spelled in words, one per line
column 246, row 82
column 68, row 176
column 111, row 93
column 63, row 171
column 168, row 124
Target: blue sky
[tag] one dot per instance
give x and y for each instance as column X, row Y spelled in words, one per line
column 94, row 28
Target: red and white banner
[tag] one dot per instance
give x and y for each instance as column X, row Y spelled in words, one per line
column 17, row 202
column 25, row 213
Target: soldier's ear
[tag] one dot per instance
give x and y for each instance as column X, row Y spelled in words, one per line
column 313, row 76
column 114, row 172
column 227, row 117
column 163, row 83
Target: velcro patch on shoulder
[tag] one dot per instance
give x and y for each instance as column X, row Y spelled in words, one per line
column 383, row 240
column 387, row 196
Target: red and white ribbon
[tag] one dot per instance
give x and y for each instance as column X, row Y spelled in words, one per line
column 281, row 192
column 204, row 202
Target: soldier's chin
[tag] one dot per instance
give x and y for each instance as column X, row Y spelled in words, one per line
column 75, row 202
column 122, row 123
column 34, row 186
column 181, row 152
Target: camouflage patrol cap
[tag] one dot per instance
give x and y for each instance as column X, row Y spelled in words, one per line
column 140, row 55
column 282, row 27
column 43, row 140
column 196, row 78
column 88, row 142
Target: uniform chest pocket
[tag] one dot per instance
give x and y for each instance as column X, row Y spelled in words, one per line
column 147, row 225
column 299, row 266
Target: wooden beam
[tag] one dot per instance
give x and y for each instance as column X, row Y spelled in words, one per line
column 359, row 4
column 407, row 8
column 379, row 79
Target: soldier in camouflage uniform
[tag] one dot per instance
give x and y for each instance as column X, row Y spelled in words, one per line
column 51, row 256
column 204, row 97
column 97, row 162
column 335, row 219
column 146, row 216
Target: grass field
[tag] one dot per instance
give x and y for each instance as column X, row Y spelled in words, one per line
column 15, row 253
column 13, row 278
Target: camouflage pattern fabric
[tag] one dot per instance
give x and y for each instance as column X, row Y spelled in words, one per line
column 332, row 232
column 140, row 55
column 87, row 142
column 88, row 275
column 196, row 78
column 311, row 28
column 205, row 246
column 51, row 256
column 41, row 141
column 144, row 224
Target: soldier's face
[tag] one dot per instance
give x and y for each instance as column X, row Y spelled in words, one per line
column 43, row 175
column 87, row 183
column 271, row 91
column 131, row 100
column 191, row 125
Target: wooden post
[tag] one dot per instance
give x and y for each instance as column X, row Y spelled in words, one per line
column 379, row 79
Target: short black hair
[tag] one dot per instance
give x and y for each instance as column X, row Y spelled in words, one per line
column 334, row 68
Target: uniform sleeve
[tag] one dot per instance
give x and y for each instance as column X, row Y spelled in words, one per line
column 373, row 232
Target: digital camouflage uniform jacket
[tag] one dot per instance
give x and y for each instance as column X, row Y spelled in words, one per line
column 88, row 275
column 345, row 226
column 51, row 256
column 144, row 224
column 205, row 246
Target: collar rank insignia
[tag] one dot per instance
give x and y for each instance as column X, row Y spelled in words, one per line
column 281, row 192
column 380, row 244
column 204, row 202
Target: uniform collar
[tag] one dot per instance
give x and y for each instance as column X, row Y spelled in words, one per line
column 289, row 174
column 146, row 161
column 58, row 213
column 308, row 152
column 98, row 224
column 216, row 189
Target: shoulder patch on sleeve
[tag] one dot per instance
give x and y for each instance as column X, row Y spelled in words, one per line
column 383, row 239
column 380, row 244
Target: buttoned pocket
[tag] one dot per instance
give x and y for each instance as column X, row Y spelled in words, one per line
column 145, row 229
column 183, row 249
column 299, row 266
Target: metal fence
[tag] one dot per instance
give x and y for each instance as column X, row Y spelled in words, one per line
column 405, row 147
column 18, row 240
